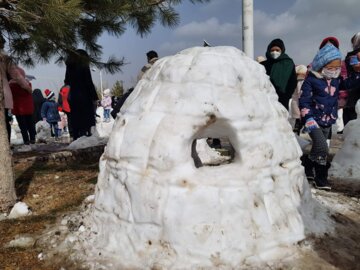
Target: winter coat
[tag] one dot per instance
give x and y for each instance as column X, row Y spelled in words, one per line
column 295, row 111
column 23, row 103
column 106, row 102
column 8, row 70
column 353, row 94
column 63, row 99
column 282, row 74
column 120, row 103
column 82, row 95
column 146, row 68
column 49, row 110
column 319, row 97
column 38, row 100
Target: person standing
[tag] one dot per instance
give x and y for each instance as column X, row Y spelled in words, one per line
column 63, row 101
column 23, row 109
column 8, row 71
column 106, row 104
column 319, row 105
column 50, row 113
column 281, row 70
column 352, row 61
column 301, row 71
column 82, row 94
column 152, row 57
column 38, row 100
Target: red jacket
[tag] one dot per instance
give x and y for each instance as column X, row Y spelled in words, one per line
column 64, row 102
column 23, row 100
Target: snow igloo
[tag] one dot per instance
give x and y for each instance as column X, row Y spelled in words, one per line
column 154, row 209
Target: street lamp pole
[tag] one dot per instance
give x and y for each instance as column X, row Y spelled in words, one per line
column 101, row 82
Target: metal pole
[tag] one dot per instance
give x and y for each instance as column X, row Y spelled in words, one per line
column 101, row 84
column 248, row 27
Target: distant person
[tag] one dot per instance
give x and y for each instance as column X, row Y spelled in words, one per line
column 50, row 113
column 281, row 70
column 301, row 71
column 352, row 61
column 152, row 57
column 83, row 95
column 63, row 101
column 121, row 102
column 106, row 104
column 8, row 71
column 23, row 109
column 38, row 100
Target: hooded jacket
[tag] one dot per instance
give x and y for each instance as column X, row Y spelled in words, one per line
column 281, row 70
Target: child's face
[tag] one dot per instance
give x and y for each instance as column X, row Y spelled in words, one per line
column 333, row 65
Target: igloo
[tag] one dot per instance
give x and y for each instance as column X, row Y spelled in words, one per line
column 154, row 209
column 346, row 162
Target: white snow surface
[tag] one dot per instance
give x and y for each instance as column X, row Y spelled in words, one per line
column 20, row 209
column 43, row 131
column 154, row 209
column 346, row 162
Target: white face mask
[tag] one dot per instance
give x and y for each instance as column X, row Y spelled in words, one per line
column 331, row 73
column 275, row 54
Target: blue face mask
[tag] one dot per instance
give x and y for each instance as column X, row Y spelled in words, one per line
column 354, row 60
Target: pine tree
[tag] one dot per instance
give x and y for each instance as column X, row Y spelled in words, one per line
column 117, row 89
column 37, row 31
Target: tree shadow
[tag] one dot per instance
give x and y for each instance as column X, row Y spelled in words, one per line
column 22, row 182
column 340, row 248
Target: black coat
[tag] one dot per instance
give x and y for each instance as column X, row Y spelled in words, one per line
column 82, row 95
column 38, row 99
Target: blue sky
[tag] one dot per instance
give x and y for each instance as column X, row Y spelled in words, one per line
column 302, row 24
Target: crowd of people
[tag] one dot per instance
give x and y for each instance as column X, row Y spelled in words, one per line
column 316, row 90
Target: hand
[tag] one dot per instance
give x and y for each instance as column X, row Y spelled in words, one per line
column 310, row 125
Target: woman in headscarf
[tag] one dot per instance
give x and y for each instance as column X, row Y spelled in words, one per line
column 281, row 69
column 82, row 93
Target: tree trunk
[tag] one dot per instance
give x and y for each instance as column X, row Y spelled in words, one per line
column 7, row 183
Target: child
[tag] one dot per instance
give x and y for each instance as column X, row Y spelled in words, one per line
column 301, row 71
column 318, row 104
column 50, row 113
column 106, row 104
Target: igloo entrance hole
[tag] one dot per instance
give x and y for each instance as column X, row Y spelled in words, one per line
column 206, row 152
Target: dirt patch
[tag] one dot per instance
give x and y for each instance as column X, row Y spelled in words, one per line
column 50, row 191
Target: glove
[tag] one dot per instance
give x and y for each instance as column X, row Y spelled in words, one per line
column 310, row 125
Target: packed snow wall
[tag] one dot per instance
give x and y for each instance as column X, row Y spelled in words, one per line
column 155, row 209
column 346, row 162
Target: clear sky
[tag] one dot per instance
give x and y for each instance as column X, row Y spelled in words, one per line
column 301, row 24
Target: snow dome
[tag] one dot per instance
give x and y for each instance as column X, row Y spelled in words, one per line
column 155, row 208
column 346, row 162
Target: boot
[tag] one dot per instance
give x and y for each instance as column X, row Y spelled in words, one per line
column 297, row 126
column 321, row 174
column 309, row 167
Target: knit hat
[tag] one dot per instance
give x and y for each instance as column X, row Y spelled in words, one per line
column 278, row 43
column 324, row 56
column 301, row 69
column 333, row 40
column 107, row 92
column 49, row 94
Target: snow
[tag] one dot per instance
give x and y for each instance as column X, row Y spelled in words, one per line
column 346, row 162
column 154, row 209
column 20, row 209
column 100, row 134
column 43, row 131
